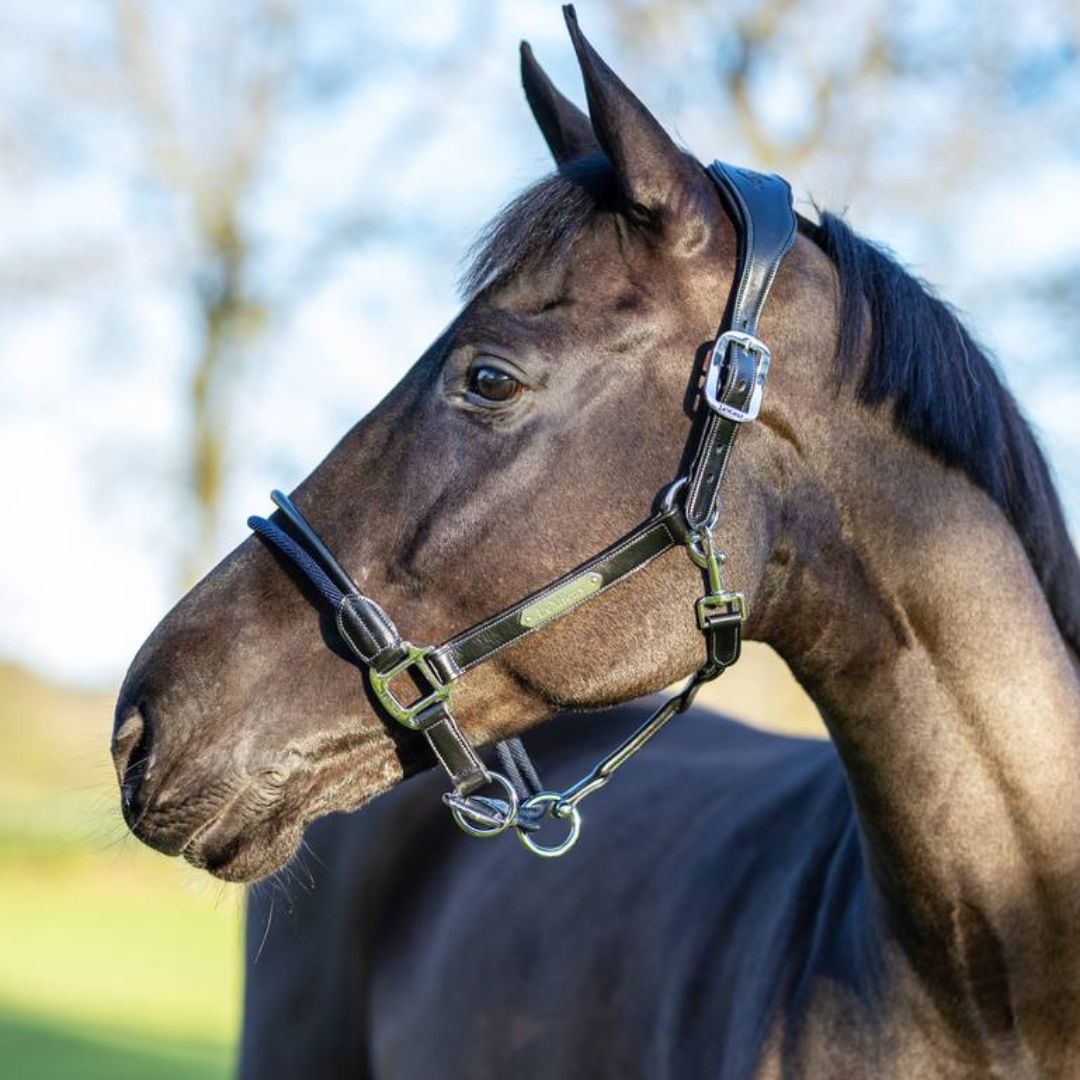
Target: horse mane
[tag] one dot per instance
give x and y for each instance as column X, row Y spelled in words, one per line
column 947, row 396
column 943, row 389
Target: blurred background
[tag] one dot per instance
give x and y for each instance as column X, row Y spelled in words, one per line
column 225, row 232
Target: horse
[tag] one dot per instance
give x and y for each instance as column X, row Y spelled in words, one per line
column 902, row 900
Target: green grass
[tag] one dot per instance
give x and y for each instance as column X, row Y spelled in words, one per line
column 35, row 1049
column 114, row 962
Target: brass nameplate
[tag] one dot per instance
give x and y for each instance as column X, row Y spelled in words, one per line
column 562, row 599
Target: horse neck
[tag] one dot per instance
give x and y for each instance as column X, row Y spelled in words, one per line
column 904, row 601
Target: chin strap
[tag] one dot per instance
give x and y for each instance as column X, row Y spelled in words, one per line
column 414, row 684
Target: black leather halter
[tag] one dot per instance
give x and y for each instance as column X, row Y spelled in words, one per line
column 686, row 515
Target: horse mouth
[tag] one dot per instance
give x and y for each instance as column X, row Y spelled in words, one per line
column 245, row 825
column 239, row 845
column 244, row 856
column 241, row 836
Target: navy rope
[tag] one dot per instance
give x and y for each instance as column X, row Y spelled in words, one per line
column 518, row 767
column 303, row 561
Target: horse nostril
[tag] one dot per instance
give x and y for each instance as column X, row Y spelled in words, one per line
column 130, row 750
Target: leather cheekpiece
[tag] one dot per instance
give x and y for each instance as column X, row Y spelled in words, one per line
column 766, row 225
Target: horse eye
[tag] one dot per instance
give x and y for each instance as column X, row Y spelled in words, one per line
column 493, row 384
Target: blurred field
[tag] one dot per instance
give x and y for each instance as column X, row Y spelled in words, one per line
column 114, row 962
column 118, row 963
column 761, row 690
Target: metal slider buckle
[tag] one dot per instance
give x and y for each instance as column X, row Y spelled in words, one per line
column 713, row 395
column 720, row 609
column 432, row 690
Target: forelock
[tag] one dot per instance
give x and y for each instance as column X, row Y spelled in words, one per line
column 540, row 225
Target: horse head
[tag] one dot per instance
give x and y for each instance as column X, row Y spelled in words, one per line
column 537, row 429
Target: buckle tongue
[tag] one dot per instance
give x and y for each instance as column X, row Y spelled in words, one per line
column 714, row 394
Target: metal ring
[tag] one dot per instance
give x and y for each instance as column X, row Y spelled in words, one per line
column 670, row 494
column 573, row 815
column 484, row 832
column 669, row 505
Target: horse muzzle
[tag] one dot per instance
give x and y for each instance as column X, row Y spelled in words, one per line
column 239, row 824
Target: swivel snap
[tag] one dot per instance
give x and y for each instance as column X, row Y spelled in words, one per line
column 720, row 605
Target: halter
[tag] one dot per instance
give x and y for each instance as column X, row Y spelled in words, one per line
column 686, row 515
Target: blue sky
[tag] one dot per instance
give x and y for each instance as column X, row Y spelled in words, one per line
column 93, row 373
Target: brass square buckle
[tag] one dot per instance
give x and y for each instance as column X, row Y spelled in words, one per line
column 720, row 609
column 432, row 689
column 713, row 394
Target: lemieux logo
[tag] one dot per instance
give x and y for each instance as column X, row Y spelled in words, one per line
column 564, row 597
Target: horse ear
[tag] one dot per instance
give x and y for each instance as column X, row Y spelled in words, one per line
column 665, row 187
column 566, row 129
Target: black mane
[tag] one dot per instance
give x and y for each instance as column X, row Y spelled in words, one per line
column 946, row 394
column 944, row 390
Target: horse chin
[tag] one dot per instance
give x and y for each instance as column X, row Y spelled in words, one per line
column 245, row 854
column 257, row 831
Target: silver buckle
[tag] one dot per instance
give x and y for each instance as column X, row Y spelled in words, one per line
column 432, row 692
column 754, row 346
